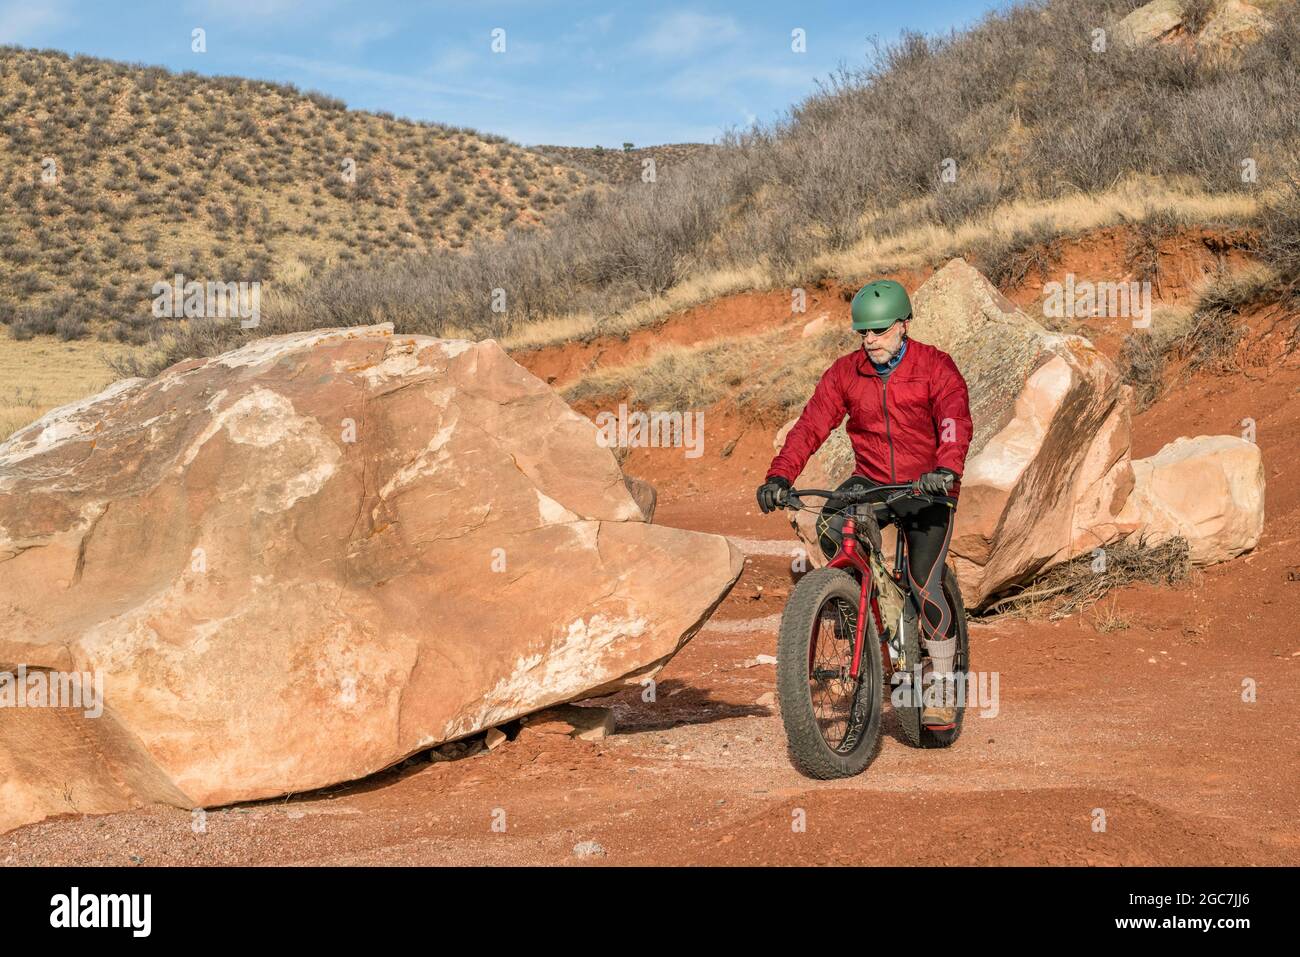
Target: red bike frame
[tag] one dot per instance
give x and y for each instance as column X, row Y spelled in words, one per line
column 851, row 559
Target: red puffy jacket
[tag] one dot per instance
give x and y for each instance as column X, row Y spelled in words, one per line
column 901, row 426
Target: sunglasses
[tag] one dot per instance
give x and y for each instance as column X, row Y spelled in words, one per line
column 877, row 332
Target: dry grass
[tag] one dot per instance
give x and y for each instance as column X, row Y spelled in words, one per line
column 41, row 374
column 1214, row 330
column 769, row 375
column 680, row 377
column 1145, row 354
column 697, row 289
column 1109, row 618
column 1134, row 200
column 1077, row 585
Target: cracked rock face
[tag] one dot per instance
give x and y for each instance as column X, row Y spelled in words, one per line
column 300, row 562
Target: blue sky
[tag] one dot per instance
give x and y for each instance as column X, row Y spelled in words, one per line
column 572, row 73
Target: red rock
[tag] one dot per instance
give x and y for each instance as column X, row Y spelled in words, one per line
column 303, row 561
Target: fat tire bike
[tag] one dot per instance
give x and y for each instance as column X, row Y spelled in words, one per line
column 850, row 632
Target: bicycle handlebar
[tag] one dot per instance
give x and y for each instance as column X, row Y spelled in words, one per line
column 861, row 496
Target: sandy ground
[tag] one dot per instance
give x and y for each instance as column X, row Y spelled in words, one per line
column 1146, row 726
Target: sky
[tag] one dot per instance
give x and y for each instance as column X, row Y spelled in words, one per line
column 564, row 73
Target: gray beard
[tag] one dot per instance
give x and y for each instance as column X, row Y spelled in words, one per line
column 888, row 358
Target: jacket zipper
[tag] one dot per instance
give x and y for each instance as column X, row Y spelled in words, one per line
column 889, row 437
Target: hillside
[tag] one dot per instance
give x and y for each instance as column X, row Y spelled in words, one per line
column 152, row 173
column 884, row 168
column 627, row 164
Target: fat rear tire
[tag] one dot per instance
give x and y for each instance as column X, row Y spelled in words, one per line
column 909, row 716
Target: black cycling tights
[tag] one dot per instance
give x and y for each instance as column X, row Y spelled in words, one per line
column 928, row 532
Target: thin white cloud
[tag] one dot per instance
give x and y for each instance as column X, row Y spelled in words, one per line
column 591, row 28
column 453, row 61
column 354, row 36
column 384, row 79
column 685, row 33
column 22, row 21
column 244, row 11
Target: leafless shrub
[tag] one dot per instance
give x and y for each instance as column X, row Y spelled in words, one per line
column 1279, row 241
column 1214, row 331
column 1205, row 339
column 1075, row 585
column 1007, row 259
column 1142, row 360
column 1142, row 243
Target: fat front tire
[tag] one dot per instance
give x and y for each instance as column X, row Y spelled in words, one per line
column 832, row 723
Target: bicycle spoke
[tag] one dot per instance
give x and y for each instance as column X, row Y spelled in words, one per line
column 830, row 685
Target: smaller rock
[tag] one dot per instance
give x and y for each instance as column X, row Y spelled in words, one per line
column 495, row 738
column 817, row 326
column 644, row 494
column 1208, row 489
column 1233, row 24
column 1150, row 22
column 453, row 750
column 766, row 700
column 588, row 849
column 759, row 660
column 589, row 724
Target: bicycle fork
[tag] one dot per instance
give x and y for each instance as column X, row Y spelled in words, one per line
column 850, row 557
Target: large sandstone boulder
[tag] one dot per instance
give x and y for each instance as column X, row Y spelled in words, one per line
column 303, row 561
column 1208, row 489
column 1048, row 470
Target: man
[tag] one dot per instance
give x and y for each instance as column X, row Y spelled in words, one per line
column 909, row 421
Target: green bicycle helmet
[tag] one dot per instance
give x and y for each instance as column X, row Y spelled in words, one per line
column 879, row 304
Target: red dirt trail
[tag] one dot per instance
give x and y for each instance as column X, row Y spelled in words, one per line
column 1143, row 723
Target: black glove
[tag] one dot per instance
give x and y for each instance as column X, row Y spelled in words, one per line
column 935, row 483
column 773, row 494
